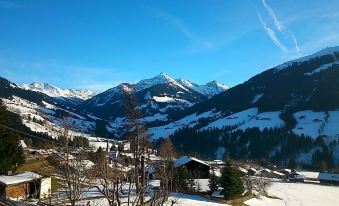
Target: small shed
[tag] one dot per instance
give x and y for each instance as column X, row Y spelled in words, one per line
column 27, row 184
column 329, row 178
column 252, row 171
column 198, row 168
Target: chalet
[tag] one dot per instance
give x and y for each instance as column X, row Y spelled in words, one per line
column 27, row 184
column 286, row 172
column 264, row 172
column 329, row 178
column 198, row 168
column 271, row 174
column 242, row 170
column 296, row 177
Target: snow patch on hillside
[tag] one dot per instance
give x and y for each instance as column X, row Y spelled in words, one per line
column 264, row 120
column 331, row 127
column 188, row 121
column 43, row 119
column 234, row 119
column 249, row 118
column 256, row 98
column 322, row 68
column 309, row 123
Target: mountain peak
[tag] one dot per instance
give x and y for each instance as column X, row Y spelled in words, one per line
column 218, row 84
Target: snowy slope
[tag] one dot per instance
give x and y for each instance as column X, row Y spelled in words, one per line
column 189, row 121
column 44, row 118
column 249, row 118
column 309, row 123
column 331, row 128
column 234, row 119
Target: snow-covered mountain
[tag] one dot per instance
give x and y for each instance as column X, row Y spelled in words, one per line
column 42, row 112
column 157, row 98
column 209, row 90
column 296, row 100
column 300, row 97
column 73, row 95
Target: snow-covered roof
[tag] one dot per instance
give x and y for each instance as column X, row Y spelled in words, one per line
column 278, row 173
column 22, row 144
column 285, row 170
column 243, row 170
column 185, row 159
column 82, row 164
column 328, row 176
column 19, row 178
column 253, row 169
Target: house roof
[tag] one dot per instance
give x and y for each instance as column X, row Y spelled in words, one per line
column 19, row 178
column 185, row 159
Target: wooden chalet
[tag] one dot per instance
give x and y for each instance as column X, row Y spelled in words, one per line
column 198, row 168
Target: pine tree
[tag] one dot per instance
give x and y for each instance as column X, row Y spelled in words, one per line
column 10, row 150
column 214, row 182
column 231, row 181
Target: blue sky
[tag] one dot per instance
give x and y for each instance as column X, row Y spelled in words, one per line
column 98, row 44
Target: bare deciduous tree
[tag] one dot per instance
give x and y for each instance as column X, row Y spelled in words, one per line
column 261, row 184
column 139, row 138
column 73, row 170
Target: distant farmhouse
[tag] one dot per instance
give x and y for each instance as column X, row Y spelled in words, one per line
column 199, row 169
column 27, row 184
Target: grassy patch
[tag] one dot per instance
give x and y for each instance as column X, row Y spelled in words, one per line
column 41, row 166
column 55, row 184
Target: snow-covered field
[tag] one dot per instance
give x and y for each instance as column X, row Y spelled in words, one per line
column 191, row 200
column 249, row 118
column 179, row 199
column 309, row 123
column 297, row 194
column 190, row 121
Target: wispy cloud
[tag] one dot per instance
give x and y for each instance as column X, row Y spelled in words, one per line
column 177, row 23
column 280, row 27
column 270, row 11
column 295, row 41
column 272, row 34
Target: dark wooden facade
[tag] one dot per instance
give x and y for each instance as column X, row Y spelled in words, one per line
column 197, row 169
